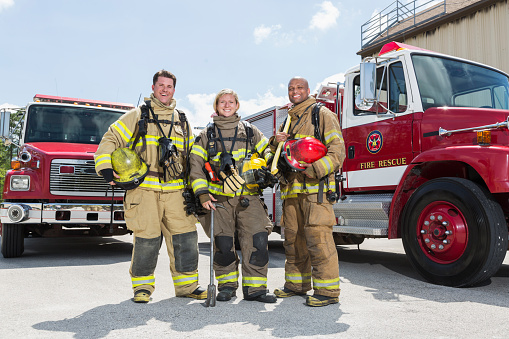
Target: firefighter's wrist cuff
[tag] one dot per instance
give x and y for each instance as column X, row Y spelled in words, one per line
column 204, row 198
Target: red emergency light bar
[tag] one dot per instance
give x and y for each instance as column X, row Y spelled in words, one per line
column 396, row 46
column 86, row 102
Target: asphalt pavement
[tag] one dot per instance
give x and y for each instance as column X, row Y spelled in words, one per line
column 80, row 288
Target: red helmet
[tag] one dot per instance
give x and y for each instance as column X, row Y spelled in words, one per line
column 306, row 150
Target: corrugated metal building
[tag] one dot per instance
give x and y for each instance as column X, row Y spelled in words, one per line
column 477, row 30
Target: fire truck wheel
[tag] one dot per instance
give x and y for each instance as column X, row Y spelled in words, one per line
column 454, row 232
column 13, row 237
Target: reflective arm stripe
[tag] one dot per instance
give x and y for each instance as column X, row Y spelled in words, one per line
column 254, row 281
column 262, row 145
column 200, row 151
column 148, row 280
column 103, row 159
column 297, row 278
column 331, row 284
column 331, row 135
column 199, row 184
column 230, row 277
column 326, row 162
column 122, row 129
column 185, row 279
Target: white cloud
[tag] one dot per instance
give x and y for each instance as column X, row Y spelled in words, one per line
column 263, row 32
column 325, row 18
column 6, row 105
column 340, row 77
column 6, row 4
column 262, row 102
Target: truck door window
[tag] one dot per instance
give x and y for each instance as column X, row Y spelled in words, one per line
column 68, row 124
column 456, row 83
column 395, row 98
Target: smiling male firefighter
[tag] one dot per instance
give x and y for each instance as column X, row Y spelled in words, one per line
column 308, row 193
column 154, row 205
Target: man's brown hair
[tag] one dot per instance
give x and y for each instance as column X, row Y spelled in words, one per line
column 166, row 74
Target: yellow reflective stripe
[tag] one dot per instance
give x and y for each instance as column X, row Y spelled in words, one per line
column 296, row 188
column 218, row 189
column 103, row 159
column 326, row 162
column 237, row 155
column 153, row 182
column 199, row 183
column 254, row 281
column 230, row 277
column 331, row 135
column 185, row 279
column 262, row 145
column 298, row 278
column 122, row 129
column 330, row 284
column 198, row 150
column 148, row 280
column 300, row 136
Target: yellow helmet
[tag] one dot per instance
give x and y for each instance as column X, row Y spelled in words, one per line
column 130, row 167
column 249, row 165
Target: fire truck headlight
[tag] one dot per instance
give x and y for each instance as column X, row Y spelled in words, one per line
column 20, row 183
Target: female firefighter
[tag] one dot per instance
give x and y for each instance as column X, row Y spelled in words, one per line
column 226, row 170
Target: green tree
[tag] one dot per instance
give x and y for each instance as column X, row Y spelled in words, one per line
column 7, row 152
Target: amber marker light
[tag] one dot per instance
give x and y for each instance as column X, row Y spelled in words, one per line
column 16, row 164
column 484, row 138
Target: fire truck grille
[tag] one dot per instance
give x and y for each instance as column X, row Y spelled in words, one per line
column 77, row 178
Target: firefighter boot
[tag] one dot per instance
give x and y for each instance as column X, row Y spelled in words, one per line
column 286, row 292
column 226, row 294
column 267, row 298
column 321, row 300
column 141, row 296
column 199, row 293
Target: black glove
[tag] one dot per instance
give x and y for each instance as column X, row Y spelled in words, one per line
column 107, row 174
column 265, row 178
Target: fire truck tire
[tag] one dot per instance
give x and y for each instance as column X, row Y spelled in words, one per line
column 454, row 232
column 13, row 240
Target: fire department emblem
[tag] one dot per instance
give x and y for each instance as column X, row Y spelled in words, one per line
column 374, row 142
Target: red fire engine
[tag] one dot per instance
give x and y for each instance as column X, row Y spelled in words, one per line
column 427, row 158
column 52, row 189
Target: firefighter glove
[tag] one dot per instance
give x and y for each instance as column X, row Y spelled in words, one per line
column 107, row 174
column 231, row 182
column 265, row 178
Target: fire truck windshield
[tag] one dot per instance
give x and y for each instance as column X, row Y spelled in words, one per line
column 454, row 83
column 56, row 123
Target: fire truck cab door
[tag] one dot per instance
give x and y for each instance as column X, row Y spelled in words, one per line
column 378, row 139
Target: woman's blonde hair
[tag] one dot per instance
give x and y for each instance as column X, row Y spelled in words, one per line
column 223, row 92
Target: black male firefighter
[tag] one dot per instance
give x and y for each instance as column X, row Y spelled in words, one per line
column 145, row 152
column 307, row 190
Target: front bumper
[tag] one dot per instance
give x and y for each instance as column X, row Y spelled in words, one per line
column 54, row 213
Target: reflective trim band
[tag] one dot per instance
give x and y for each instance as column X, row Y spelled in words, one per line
column 185, row 279
column 262, row 145
column 230, row 277
column 122, row 129
column 298, row 278
column 327, row 164
column 103, row 159
column 331, row 135
column 237, row 155
column 199, row 184
column 296, row 188
column 331, row 284
column 218, row 189
column 200, row 151
column 300, row 136
column 254, row 281
column 148, row 280
column 153, row 182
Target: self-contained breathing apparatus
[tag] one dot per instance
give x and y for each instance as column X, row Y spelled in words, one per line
column 287, row 164
column 169, row 155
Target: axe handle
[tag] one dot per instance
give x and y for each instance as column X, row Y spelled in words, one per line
column 273, row 168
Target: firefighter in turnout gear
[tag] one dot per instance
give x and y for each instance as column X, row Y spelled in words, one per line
column 161, row 136
column 216, row 159
column 308, row 217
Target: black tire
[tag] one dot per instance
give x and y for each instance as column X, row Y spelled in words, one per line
column 13, row 240
column 477, row 244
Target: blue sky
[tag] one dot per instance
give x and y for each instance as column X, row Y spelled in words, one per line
column 109, row 50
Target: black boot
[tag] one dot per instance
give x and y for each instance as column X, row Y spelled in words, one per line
column 226, row 294
column 268, row 298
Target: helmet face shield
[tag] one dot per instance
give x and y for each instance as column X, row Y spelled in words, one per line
column 248, row 170
column 131, row 169
column 306, row 150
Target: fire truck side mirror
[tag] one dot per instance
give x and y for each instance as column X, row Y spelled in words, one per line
column 368, row 83
column 5, row 118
